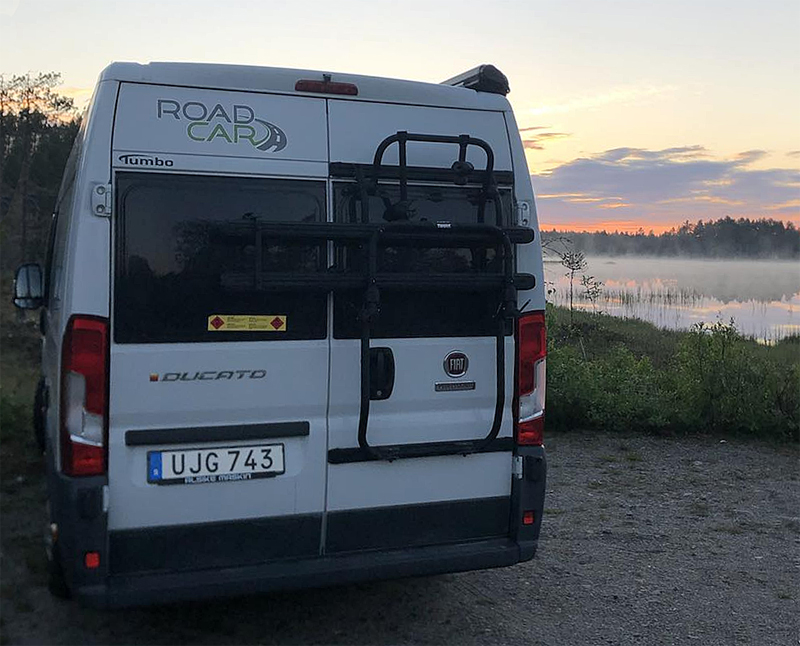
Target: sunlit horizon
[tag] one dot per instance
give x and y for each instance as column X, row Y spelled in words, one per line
column 633, row 115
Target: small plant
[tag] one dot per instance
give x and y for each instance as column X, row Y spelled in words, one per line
column 575, row 262
column 592, row 290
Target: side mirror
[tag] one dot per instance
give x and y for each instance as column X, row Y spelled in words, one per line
column 29, row 287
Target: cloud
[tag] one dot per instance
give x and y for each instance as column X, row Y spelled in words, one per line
column 537, row 141
column 750, row 156
column 618, row 95
column 660, row 188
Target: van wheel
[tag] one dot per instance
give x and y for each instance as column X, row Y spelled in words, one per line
column 39, row 408
column 56, row 582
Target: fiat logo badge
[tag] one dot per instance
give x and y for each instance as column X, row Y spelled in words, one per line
column 456, row 364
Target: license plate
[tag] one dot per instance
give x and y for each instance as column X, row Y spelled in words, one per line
column 225, row 464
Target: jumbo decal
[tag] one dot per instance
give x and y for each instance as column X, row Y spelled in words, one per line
column 233, row 124
column 135, row 159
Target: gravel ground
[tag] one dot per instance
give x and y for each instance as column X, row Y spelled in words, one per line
column 645, row 541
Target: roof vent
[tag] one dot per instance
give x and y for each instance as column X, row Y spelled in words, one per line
column 484, row 78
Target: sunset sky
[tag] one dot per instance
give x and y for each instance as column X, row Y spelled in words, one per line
column 633, row 113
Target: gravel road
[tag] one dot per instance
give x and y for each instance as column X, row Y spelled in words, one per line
column 645, row 541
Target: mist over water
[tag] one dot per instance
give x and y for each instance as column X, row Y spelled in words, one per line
column 761, row 296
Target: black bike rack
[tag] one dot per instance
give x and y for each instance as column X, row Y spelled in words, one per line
column 399, row 231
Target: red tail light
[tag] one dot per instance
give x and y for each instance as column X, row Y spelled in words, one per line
column 91, row 560
column 84, row 396
column 531, row 363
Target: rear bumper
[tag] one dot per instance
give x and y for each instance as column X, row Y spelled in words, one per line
column 228, row 559
column 118, row 591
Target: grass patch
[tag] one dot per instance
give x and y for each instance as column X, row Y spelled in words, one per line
column 20, row 352
column 611, row 374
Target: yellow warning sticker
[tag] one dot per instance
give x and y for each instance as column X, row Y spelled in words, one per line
column 247, row 323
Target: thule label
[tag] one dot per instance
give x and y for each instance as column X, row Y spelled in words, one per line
column 453, row 386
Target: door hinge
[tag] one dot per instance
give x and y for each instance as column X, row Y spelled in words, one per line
column 101, row 200
column 516, row 466
column 105, row 498
column 523, row 214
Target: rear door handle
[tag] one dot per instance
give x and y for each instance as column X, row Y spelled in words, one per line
column 381, row 371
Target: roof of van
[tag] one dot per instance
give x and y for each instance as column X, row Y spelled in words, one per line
column 250, row 78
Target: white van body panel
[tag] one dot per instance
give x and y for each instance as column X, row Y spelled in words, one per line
column 89, row 246
column 357, row 127
column 80, row 277
column 193, row 129
column 416, row 412
column 295, row 387
column 527, row 216
column 246, row 78
column 296, row 382
column 407, row 482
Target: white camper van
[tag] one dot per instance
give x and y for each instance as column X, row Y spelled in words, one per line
column 293, row 332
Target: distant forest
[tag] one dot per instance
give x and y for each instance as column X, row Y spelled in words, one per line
column 37, row 128
column 724, row 238
column 38, row 125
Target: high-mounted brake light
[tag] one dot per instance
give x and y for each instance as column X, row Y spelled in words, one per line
column 84, row 396
column 531, row 364
column 326, row 86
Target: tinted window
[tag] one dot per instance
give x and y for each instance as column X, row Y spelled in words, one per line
column 189, row 249
column 412, row 313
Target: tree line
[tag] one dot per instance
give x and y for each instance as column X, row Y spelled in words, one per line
column 722, row 238
column 37, row 128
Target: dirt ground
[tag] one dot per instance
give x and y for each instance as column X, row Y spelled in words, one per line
column 645, row 541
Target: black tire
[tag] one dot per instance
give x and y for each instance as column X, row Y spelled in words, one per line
column 39, row 411
column 56, row 582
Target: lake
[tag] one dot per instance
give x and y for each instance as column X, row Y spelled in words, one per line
column 761, row 296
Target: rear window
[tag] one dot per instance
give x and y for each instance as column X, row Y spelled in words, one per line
column 191, row 264
column 409, row 312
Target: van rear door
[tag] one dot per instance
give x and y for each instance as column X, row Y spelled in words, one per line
column 440, row 356
column 218, row 382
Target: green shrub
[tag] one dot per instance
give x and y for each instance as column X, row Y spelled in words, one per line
column 613, row 374
column 726, row 386
column 617, row 392
column 15, row 425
